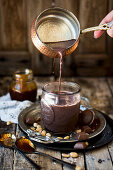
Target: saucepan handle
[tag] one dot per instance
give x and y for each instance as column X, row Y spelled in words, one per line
column 105, row 26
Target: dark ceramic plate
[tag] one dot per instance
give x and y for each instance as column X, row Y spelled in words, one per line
column 35, row 136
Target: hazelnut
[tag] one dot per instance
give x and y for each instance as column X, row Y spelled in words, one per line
column 66, row 137
column 9, row 123
column 78, row 131
column 73, row 154
column 65, row 155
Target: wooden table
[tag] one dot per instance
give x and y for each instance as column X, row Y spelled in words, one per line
column 100, row 93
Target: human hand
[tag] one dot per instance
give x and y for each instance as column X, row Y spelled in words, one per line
column 108, row 18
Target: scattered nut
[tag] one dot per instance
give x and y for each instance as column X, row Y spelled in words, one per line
column 32, row 128
column 9, row 123
column 87, row 143
column 35, row 124
column 39, row 126
column 23, row 137
column 78, row 168
column 59, row 137
column 39, row 130
column 78, row 131
column 48, row 134
column 66, row 137
column 65, row 155
column 43, row 133
column 73, row 154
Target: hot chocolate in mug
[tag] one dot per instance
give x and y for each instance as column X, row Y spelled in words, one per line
column 61, row 109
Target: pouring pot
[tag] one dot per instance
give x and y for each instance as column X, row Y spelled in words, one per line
column 57, row 25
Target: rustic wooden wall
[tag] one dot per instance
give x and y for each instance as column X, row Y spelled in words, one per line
column 92, row 58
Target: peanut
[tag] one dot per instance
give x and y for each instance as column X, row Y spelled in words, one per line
column 39, row 130
column 39, row 126
column 48, row 134
column 78, row 131
column 32, row 128
column 9, row 123
column 66, row 137
column 59, row 137
column 43, row 133
column 35, row 124
column 73, row 154
column 65, row 155
column 23, row 137
column 78, row 168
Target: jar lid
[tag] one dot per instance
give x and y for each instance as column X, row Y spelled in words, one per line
column 24, row 74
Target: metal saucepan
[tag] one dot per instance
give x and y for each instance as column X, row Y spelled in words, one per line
column 57, row 25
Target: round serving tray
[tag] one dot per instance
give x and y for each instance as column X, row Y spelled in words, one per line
column 35, row 110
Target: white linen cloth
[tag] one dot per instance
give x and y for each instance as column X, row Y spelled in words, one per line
column 10, row 109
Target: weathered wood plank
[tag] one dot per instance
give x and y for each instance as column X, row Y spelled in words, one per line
column 13, row 26
column 91, row 64
column 78, row 161
column 95, row 71
column 6, row 155
column 99, row 159
column 12, row 61
column 98, row 93
column 101, row 99
column 0, row 26
column 91, row 13
column 4, row 84
column 110, row 146
column 72, row 5
column 91, row 60
column 110, row 81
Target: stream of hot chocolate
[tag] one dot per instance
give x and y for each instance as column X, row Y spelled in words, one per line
column 60, row 48
column 61, row 62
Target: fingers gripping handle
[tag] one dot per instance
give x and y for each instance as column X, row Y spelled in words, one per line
column 105, row 26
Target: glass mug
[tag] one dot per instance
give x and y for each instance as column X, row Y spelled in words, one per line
column 60, row 110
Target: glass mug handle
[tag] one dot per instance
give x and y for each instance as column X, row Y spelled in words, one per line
column 86, row 105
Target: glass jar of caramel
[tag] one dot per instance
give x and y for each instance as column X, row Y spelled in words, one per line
column 23, row 86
